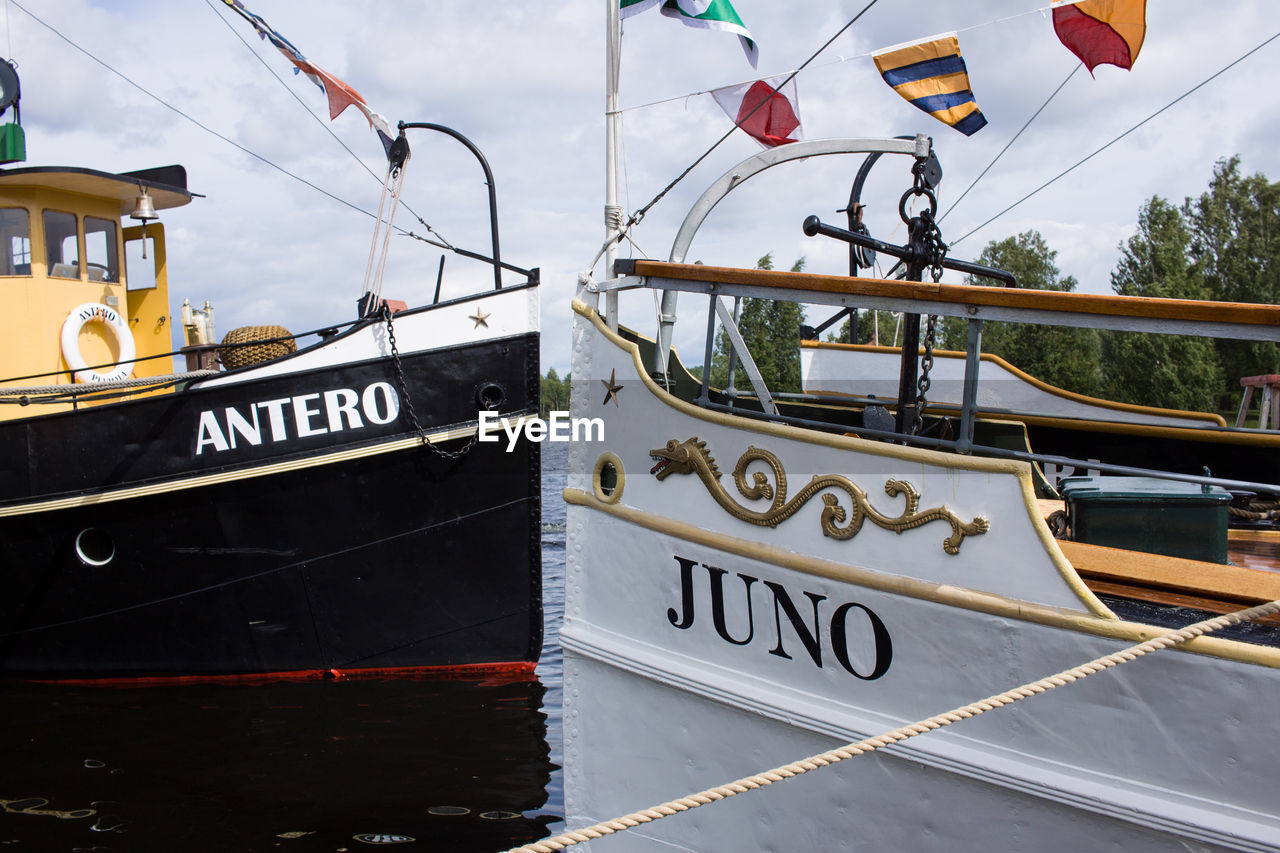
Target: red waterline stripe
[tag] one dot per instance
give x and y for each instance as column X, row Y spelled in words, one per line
column 497, row 672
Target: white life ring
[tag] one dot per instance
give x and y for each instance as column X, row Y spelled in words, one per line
column 110, row 318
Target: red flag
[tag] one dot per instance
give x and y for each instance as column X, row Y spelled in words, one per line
column 339, row 94
column 770, row 115
column 1102, row 31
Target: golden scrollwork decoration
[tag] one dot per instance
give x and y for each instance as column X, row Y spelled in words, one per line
column 691, row 457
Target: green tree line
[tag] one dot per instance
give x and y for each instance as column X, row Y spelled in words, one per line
column 554, row 393
column 771, row 330
column 1223, row 245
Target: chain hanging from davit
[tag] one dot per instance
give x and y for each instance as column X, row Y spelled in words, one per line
column 926, row 364
column 408, row 401
column 932, row 253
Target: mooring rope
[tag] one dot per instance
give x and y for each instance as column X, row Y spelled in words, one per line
column 106, row 385
column 760, row 780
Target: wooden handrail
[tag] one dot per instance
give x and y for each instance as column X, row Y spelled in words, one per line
column 963, row 294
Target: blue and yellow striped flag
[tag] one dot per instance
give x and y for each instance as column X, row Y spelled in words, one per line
column 931, row 74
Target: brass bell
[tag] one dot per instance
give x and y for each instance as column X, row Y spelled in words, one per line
column 145, row 208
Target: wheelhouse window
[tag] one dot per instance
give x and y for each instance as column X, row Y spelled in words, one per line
column 15, row 239
column 139, row 263
column 61, row 252
column 101, row 249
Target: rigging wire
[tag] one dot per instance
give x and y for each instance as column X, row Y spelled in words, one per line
column 956, row 203
column 329, row 130
column 189, row 118
column 327, row 127
column 1088, row 157
column 445, row 244
column 639, row 214
column 839, row 60
column 8, row 28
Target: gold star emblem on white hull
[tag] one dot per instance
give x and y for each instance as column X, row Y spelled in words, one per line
column 612, row 386
column 481, row 318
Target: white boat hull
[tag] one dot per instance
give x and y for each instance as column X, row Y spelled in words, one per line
column 701, row 647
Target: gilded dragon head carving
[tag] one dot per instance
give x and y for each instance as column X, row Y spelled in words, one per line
column 681, row 457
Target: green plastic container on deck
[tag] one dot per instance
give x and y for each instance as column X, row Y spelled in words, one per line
column 1145, row 514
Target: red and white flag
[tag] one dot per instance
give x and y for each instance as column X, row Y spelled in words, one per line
column 769, row 114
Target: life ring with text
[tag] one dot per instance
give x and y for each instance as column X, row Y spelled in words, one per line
column 95, row 312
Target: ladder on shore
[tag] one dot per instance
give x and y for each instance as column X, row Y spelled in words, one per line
column 1268, row 404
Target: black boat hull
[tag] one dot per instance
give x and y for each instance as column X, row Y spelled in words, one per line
column 289, row 524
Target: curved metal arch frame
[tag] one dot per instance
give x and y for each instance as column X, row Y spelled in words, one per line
column 496, row 261
column 918, row 147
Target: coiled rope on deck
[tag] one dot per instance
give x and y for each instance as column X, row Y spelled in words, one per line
column 1263, row 510
column 760, row 780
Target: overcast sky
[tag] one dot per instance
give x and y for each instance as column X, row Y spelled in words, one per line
column 525, row 81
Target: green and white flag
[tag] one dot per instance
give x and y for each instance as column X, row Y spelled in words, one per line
column 705, row 14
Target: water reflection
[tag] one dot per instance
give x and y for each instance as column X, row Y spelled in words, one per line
column 290, row 766
column 466, row 765
column 555, row 458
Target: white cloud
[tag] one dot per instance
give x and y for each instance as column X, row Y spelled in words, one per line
column 525, row 82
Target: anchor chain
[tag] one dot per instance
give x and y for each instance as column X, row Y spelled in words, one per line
column 931, row 251
column 926, row 242
column 926, row 364
column 408, row 400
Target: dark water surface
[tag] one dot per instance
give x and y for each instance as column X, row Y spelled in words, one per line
column 461, row 765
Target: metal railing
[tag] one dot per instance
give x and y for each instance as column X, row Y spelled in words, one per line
column 974, row 304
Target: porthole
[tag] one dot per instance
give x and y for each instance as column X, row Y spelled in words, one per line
column 491, row 395
column 608, row 478
column 94, row 547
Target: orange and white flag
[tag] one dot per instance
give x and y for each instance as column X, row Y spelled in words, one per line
column 1102, row 31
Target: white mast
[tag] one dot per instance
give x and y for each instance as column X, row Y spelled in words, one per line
column 612, row 134
column 613, row 214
